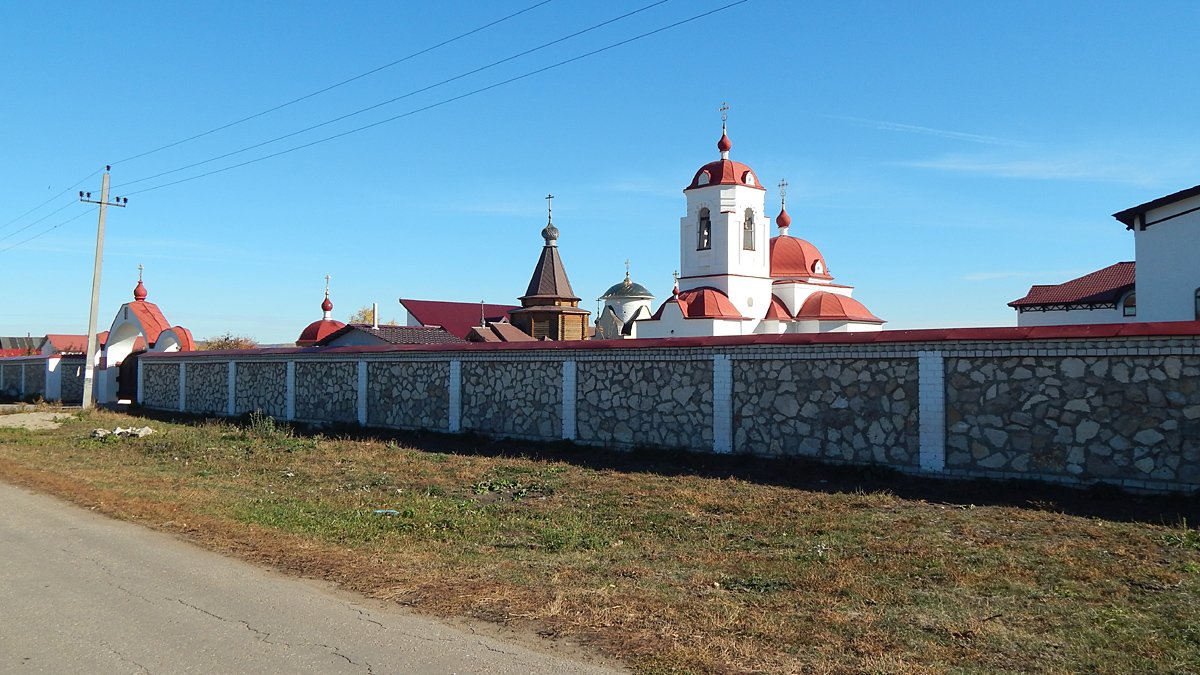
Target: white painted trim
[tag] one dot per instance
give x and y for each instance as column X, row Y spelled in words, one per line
column 290, row 389
column 362, row 393
column 931, row 372
column 722, row 403
column 182, row 386
column 568, row 400
column 455, row 391
column 231, row 389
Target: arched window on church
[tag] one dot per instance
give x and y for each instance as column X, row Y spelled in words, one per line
column 704, row 242
column 748, row 231
column 1129, row 304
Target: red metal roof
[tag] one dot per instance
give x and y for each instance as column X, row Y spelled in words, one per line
column 777, row 311
column 830, row 307
column 794, row 258
column 66, row 343
column 1102, row 287
column 702, row 303
column 456, row 317
column 317, row 331
column 725, row 172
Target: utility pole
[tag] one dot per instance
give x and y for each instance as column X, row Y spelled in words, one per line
column 92, row 345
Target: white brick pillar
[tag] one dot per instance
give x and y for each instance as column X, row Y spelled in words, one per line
column 53, row 379
column 931, row 371
column 722, row 403
column 568, row 400
column 289, row 396
column 230, row 389
column 455, row 391
column 182, row 386
column 362, row 393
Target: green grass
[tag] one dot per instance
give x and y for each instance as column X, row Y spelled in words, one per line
column 668, row 565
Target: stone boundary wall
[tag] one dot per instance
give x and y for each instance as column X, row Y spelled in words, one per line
column 261, row 387
column 1122, row 409
column 70, row 373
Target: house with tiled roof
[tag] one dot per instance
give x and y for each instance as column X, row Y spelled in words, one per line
column 1161, row 284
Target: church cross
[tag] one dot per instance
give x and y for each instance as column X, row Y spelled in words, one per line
column 724, row 111
column 549, row 208
column 327, row 278
column 783, row 191
column 140, row 268
column 627, row 268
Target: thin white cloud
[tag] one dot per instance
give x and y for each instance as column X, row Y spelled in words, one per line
column 882, row 125
column 1045, row 168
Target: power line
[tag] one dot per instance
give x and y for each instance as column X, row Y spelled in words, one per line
column 22, row 229
column 72, row 187
column 446, row 101
column 48, row 231
column 339, row 84
column 395, row 99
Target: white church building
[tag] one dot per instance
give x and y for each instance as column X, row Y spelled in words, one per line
column 1161, row 284
column 738, row 280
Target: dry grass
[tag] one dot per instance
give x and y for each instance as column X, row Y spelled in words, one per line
column 672, row 565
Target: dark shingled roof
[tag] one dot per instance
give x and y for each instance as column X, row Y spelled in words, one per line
column 456, row 317
column 397, row 335
column 549, row 279
column 1102, row 287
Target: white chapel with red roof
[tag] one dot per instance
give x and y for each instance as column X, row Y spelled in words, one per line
column 738, row 280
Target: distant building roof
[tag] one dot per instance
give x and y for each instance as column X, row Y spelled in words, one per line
column 21, row 344
column 498, row 331
column 1102, row 288
column 456, row 317
column 1131, row 215
column 396, row 335
column 65, row 343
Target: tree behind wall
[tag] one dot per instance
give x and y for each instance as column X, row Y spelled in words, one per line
column 227, row 341
column 363, row 315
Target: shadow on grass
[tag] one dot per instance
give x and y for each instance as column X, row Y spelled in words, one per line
column 1101, row 501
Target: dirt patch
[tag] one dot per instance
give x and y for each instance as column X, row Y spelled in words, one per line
column 35, row 421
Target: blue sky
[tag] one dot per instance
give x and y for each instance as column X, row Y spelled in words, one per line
column 942, row 155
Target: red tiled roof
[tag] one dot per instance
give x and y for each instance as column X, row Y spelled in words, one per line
column 1102, row 287
column 151, row 317
column 456, row 317
column 830, row 307
column 396, row 335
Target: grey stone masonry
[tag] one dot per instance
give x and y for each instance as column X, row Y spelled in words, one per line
column 848, row 410
column 408, row 394
column 1087, row 417
column 666, row 404
column 207, row 387
column 521, row 399
column 260, row 386
column 12, row 379
column 327, row 391
column 71, row 373
column 35, row 378
column 160, row 385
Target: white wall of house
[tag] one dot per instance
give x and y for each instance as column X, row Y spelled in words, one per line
column 1076, row 316
column 1168, row 275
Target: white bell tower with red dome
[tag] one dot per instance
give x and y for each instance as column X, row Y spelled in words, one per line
column 725, row 235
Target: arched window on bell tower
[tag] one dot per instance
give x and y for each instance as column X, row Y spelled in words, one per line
column 704, row 240
column 748, row 231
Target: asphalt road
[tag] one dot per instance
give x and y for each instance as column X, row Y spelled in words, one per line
column 80, row 593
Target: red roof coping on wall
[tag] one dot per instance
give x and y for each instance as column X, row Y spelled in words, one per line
column 1104, row 286
column 923, row 336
